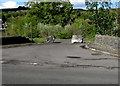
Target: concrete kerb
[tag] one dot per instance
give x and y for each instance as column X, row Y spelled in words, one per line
column 20, row 45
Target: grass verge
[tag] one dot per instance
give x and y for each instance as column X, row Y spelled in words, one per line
column 39, row 40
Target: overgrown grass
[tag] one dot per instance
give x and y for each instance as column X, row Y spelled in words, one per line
column 39, row 40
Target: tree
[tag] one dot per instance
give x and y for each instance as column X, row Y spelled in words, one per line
column 102, row 16
column 51, row 12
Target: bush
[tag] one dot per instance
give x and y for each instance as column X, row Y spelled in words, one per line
column 15, row 28
column 47, row 30
column 63, row 35
column 80, row 27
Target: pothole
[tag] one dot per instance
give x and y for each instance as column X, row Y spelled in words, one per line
column 16, row 62
column 86, row 66
column 73, row 57
column 101, row 59
column 80, row 58
column 35, row 63
column 74, row 66
column 10, row 62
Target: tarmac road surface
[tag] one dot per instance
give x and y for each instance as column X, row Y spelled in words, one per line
column 57, row 63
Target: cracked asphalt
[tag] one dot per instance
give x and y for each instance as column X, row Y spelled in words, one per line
column 57, row 63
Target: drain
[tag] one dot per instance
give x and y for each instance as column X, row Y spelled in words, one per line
column 73, row 57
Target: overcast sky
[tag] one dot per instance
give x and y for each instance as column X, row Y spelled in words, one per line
column 15, row 3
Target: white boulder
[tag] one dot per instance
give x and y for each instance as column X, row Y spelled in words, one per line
column 77, row 39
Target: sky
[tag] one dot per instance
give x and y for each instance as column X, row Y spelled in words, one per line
column 77, row 4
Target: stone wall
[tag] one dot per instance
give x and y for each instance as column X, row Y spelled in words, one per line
column 108, row 43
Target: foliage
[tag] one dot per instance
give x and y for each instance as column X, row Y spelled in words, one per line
column 47, row 30
column 80, row 27
column 63, row 35
column 101, row 16
column 42, row 19
column 7, row 15
column 39, row 40
column 59, row 19
column 23, row 28
column 15, row 27
column 118, row 21
column 51, row 12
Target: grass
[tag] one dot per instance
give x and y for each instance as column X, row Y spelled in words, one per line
column 39, row 40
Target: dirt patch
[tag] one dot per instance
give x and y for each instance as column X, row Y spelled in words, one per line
column 72, row 65
column 80, row 58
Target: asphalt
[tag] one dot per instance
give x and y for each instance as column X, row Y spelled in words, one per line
column 57, row 63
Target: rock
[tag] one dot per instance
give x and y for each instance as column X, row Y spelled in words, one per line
column 50, row 39
column 84, row 46
column 77, row 39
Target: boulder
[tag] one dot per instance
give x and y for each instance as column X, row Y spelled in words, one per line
column 50, row 39
column 77, row 39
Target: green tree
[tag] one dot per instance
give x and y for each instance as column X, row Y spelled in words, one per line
column 51, row 12
column 102, row 16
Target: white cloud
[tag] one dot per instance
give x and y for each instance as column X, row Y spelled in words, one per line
column 9, row 4
column 77, row 1
column 78, row 4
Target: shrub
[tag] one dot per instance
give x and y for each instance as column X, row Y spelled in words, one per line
column 63, row 35
column 46, row 30
column 80, row 27
column 15, row 28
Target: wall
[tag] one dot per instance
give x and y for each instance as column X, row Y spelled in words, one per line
column 108, row 43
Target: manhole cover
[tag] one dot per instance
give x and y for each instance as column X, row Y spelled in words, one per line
column 73, row 57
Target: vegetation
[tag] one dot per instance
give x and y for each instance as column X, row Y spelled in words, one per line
column 51, row 12
column 102, row 17
column 60, row 19
column 39, row 40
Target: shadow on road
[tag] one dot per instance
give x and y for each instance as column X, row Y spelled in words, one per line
column 14, row 40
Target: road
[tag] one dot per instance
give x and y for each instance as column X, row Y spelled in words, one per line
column 57, row 63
